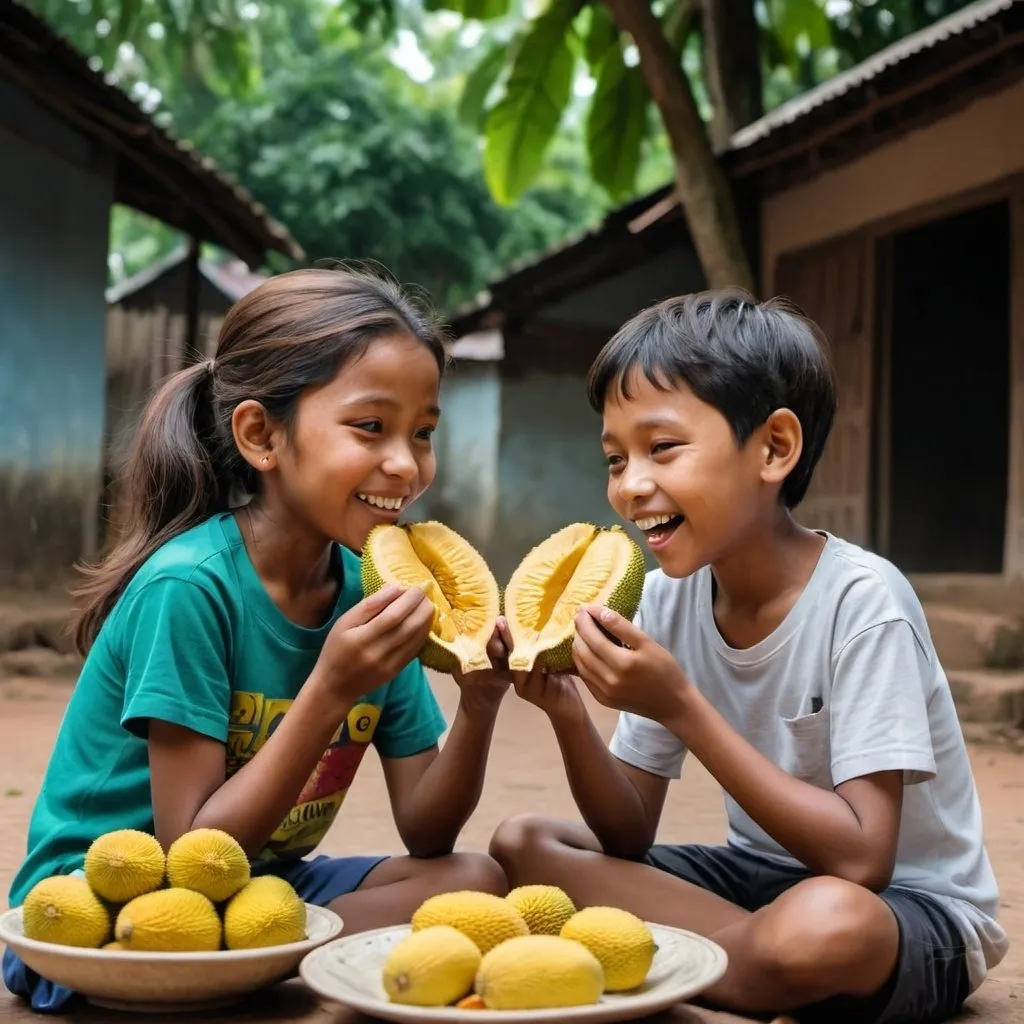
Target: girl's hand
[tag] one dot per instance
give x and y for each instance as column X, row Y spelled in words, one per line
column 373, row 641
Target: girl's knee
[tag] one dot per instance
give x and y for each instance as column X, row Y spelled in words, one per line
column 519, row 838
column 478, row 872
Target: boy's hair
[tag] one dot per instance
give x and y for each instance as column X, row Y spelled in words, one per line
column 292, row 333
column 746, row 358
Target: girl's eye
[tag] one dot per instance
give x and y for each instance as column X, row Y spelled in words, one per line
column 425, row 433
column 663, row 446
column 370, row 426
column 615, row 462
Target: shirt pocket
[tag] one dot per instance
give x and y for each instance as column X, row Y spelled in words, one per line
column 805, row 748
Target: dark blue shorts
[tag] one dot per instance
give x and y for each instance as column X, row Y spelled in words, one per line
column 318, row 880
column 930, row 981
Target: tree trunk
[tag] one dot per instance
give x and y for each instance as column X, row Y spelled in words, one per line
column 703, row 190
column 732, row 66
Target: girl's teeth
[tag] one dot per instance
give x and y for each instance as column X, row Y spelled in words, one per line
column 393, row 504
column 651, row 522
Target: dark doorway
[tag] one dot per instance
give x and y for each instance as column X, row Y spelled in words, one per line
column 949, row 400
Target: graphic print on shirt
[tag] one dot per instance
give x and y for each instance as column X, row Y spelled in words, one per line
column 254, row 718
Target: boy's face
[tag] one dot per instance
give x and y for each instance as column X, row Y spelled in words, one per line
column 676, row 472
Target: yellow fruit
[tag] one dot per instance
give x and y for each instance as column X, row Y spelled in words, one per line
column 267, row 912
column 580, row 564
column 169, row 921
column 433, row 967
column 65, row 911
column 619, row 939
column 539, row 972
column 114, row 947
column 453, row 575
column 485, row 918
column 545, row 908
column 207, row 861
column 124, row 864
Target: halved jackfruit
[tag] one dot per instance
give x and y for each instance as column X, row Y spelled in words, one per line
column 580, row 564
column 455, row 577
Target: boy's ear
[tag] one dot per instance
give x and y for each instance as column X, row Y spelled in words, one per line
column 254, row 434
column 782, row 444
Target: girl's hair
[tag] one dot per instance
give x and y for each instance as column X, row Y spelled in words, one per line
column 294, row 332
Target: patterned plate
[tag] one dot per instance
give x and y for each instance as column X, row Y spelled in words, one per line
column 348, row 971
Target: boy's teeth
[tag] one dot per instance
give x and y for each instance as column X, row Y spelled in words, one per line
column 379, row 502
column 653, row 521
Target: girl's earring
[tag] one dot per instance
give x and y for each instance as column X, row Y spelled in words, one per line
column 266, row 458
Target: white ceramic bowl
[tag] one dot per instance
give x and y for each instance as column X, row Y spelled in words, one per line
column 166, row 982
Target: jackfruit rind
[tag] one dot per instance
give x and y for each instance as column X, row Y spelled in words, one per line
column 64, row 910
column 539, row 972
column 580, row 564
column 207, row 861
column 455, row 577
column 124, row 864
column 433, row 967
column 619, row 939
column 545, row 908
column 169, row 921
column 487, row 919
column 267, row 912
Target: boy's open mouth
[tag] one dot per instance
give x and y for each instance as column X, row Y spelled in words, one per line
column 658, row 529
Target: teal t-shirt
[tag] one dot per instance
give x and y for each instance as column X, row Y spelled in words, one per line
column 196, row 640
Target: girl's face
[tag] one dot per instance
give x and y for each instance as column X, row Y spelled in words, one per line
column 360, row 449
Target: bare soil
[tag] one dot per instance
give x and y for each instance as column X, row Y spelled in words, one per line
column 525, row 775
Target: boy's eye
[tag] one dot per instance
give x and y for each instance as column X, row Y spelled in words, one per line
column 663, row 446
column 614, row 461
column 425, row 433
column 370, row 426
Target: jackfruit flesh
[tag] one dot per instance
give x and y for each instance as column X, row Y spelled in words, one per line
column 455, row 578
column 580, row 564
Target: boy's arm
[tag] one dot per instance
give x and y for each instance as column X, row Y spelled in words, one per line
column 850, row 832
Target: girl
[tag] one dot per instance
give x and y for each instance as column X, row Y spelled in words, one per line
column 234, row 676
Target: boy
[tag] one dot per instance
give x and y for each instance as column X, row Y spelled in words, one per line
column 797, row 667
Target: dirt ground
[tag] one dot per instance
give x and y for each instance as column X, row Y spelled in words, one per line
column 525, row 775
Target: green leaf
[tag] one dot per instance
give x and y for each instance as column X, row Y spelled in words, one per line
column 617, row 124
column 479, row 83
column 481, row 10
column 601, row 36
column 520, row 126
column 792, row 19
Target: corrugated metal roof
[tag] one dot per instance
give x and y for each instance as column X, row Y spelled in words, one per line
column 953, row 25
column 232, row 279
column 59, row 78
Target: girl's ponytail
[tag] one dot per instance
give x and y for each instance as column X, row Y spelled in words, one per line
column 169, row 485
column 294, row 332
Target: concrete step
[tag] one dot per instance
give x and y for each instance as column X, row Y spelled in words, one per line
column 988, row 696
column 967, row 638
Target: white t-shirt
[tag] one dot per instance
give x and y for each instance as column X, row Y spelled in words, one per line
column 848, row 684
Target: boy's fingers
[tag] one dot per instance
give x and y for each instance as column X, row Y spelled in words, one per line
column 619, row 626
column 602, row 649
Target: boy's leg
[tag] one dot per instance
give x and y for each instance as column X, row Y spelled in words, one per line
column 822, row 937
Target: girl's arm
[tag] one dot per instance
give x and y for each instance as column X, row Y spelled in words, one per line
column 434, row 793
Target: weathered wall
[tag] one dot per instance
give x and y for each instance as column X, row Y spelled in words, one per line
column 979, row 144
column 55, row 196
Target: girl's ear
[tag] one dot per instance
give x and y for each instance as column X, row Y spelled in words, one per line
column 254, row 434
column 782, row 445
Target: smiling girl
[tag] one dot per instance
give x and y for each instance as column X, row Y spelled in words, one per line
column 234, row 675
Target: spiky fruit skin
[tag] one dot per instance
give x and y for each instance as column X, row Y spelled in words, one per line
column 545, row 908
column 65, row 911
column 538, row 972
column 486, row 919
column 433, row 967
column 267, row 912
column 207, row 861
column 169, row 921
column 124, row 864
column 625, row 600
column 621, row 942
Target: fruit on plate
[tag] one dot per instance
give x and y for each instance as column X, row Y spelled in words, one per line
column 580, row 564
column 207, row 861
column 266, row 912
column 432, row 967
column 453, row 575
column 483, row 917
column 545, row 908
column 124, row 864
column 169, row 921
column 534, row 972
column 64, row 910
column 621, row 942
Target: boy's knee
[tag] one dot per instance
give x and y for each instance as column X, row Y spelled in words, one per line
column 828, row 924
column 478, row 872
column 518, row 838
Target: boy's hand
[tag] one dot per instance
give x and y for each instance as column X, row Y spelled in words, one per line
column 640, row 677
column 555, row 694
column 484, row 690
